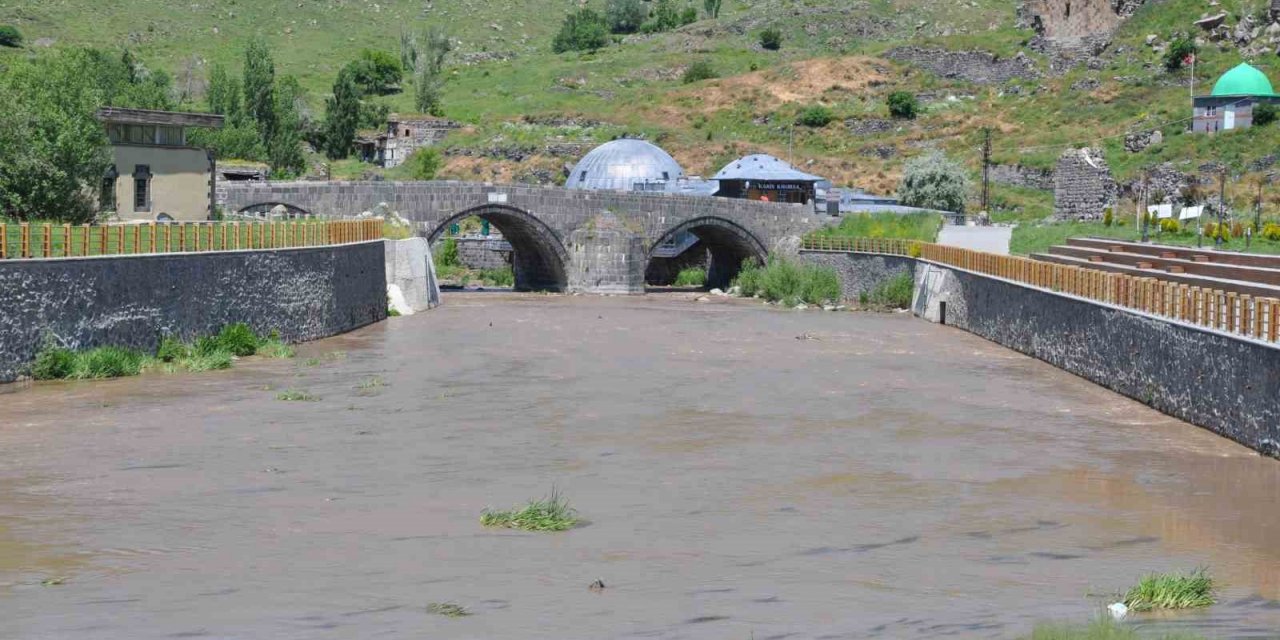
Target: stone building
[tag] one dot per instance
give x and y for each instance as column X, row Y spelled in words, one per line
column 404, row 134
column 1082, row 185
column 1231, row 104
column 1075, row 25
column 154, row 173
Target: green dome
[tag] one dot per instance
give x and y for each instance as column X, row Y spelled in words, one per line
column 1243, row 80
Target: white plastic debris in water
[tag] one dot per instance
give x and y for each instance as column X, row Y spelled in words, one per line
column 1118, row 610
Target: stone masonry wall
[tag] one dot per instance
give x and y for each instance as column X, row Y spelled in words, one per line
column 1019, row 176
column 1082, row 185
column 133, row 301
column 860, row 272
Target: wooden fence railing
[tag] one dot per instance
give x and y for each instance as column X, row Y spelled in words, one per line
column 68, row 241
column 1240, row 314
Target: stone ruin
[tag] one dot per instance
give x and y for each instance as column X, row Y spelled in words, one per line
column 1070, row 29
column 1082, row 185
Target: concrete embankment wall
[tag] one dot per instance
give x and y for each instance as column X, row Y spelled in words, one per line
column 132, row 301
column 1224, row 383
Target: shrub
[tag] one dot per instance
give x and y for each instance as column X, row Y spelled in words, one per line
column 171, row 349
column 748, row 280
column 664, row 17
column 10, row 36
column 688, row 16
column 53, row 363
column 1171, row 591
column 691, row 277
column 816, row 116
column 1169, row 225
column 933, row 181
column 206, row 345
column 582, row 30
column 108, row 362
column 1271, row 231
column 238, row 339
column 712, row 7
column 212, row 361
column 785, row 281
column 423, row 164
column 376, row 72
column 503, row 277
column 1237, row 230
column 1107, row 217
column 771, row 39
column 448, row 254
column 698, row 71
column 1264, row 114
column 903, row 105
column 1178, row 51
column 625, row 16
column 894, row 293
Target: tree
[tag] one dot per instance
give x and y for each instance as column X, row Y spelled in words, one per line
column 259, row 86
column 1179, row 50
column 582, row 30
column 429, row 79
column 377, row 72
column 698, row 71
column 903, row 105
column 1264, row 113
column 53, row 150
column 10, row 36
column 816, row 116
column 342, row 113
column 712, row 7
column 665, row 17
column 284, row 149
column 625, row 16
column 423, row 164
column 223, row 94
column 771, row 39
column 932, row 181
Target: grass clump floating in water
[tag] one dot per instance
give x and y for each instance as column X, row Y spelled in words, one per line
column 551, row 513
column 1171, row 591
column 448, row 609
column 297, row 395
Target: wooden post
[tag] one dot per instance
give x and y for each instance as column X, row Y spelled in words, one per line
column 68, row 247
column 4, row 241
column 46, row 244
column 137, row 238
column 119, row 239
column 1246, row 315
column 1273, row 324
column 24, row 240
column 86, row 233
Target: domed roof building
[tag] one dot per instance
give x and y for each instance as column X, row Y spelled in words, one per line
column 625, row 165
column 1234, row 97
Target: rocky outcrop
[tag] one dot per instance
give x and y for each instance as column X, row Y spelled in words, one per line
column 979, row 67
column 1138, row 140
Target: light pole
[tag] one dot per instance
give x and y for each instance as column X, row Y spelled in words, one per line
column 1146, row 213
column 1222, row 207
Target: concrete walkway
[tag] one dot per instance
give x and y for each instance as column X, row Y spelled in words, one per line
column 989, row 239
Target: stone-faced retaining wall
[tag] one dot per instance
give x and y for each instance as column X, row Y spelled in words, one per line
column 860, row 272
column 1082, row 185
column 132, row 301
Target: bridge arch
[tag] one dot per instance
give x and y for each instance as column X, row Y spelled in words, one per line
column 538, row 257
column 727, row 242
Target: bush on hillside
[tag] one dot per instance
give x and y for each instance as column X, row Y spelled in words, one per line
column 664, row 17
column 688, row 16
column 447, row 256
column 771, row 39
column 1264, row 114
column 903, row 105
column 933, row 181
column 699, row 71
column 1178, row 51
column 1271, row 231
column 582, row 30
column 1169, row 225
column 376, row 72
column 10, row 36
column 423, row 164
column 712, row 7
column 625, row 16
column 816, row 116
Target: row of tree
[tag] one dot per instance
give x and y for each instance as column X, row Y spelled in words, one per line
column 589, row 30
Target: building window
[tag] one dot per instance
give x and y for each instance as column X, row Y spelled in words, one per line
column 107, row 195
column 582, row 177
column 170, row 136
column 406, row 133
column 142, row 188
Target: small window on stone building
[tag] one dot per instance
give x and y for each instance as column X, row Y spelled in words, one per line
column 142, row 188
column 582, row 177
column 406, row 133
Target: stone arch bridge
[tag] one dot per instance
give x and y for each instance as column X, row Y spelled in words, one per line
column 561, row 239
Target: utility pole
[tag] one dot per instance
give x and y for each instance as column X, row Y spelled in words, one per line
column 1257, row 204
column 1222, row 206
column 986, row 170
column 1146, row 212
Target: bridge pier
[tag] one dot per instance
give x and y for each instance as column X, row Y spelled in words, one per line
column 606, row 257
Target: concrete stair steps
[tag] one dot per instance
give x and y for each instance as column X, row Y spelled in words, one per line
column 1198, row 254
column 1237, row 286
column 1189, row 266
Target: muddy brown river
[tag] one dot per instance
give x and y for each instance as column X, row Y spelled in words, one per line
column 744, row 472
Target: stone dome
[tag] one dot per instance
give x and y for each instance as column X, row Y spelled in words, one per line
column 1243, row 80
column 620, row 164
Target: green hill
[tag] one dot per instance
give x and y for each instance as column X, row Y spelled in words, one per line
column 530, row 111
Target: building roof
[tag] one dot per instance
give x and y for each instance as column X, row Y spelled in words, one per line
column 118, row 115
column 764, row 168
column 1243, row 80
column 620, row 164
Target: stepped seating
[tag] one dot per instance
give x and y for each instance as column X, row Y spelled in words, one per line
column 1244, row 274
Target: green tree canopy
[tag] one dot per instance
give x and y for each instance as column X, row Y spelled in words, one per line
column 377, row 72
column 582, row 30
column 342, row 113
column 902, row 104
column 625, row 16
column 259, row 86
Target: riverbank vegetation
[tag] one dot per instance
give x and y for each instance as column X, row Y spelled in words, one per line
column 691, row 277
column 551, row 513
column 892, row 293
column 448, row 609
column 1171, row 591
column 788, row 282
column 206, row 353
column 913, row 226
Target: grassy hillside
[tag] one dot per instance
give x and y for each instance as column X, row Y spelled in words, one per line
column 525, row 106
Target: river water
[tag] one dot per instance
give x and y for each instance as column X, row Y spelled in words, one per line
column 744, row 472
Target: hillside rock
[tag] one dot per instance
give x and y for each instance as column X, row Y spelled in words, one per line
column 979, row 67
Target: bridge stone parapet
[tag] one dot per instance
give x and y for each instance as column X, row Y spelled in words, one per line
column 538, row 221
